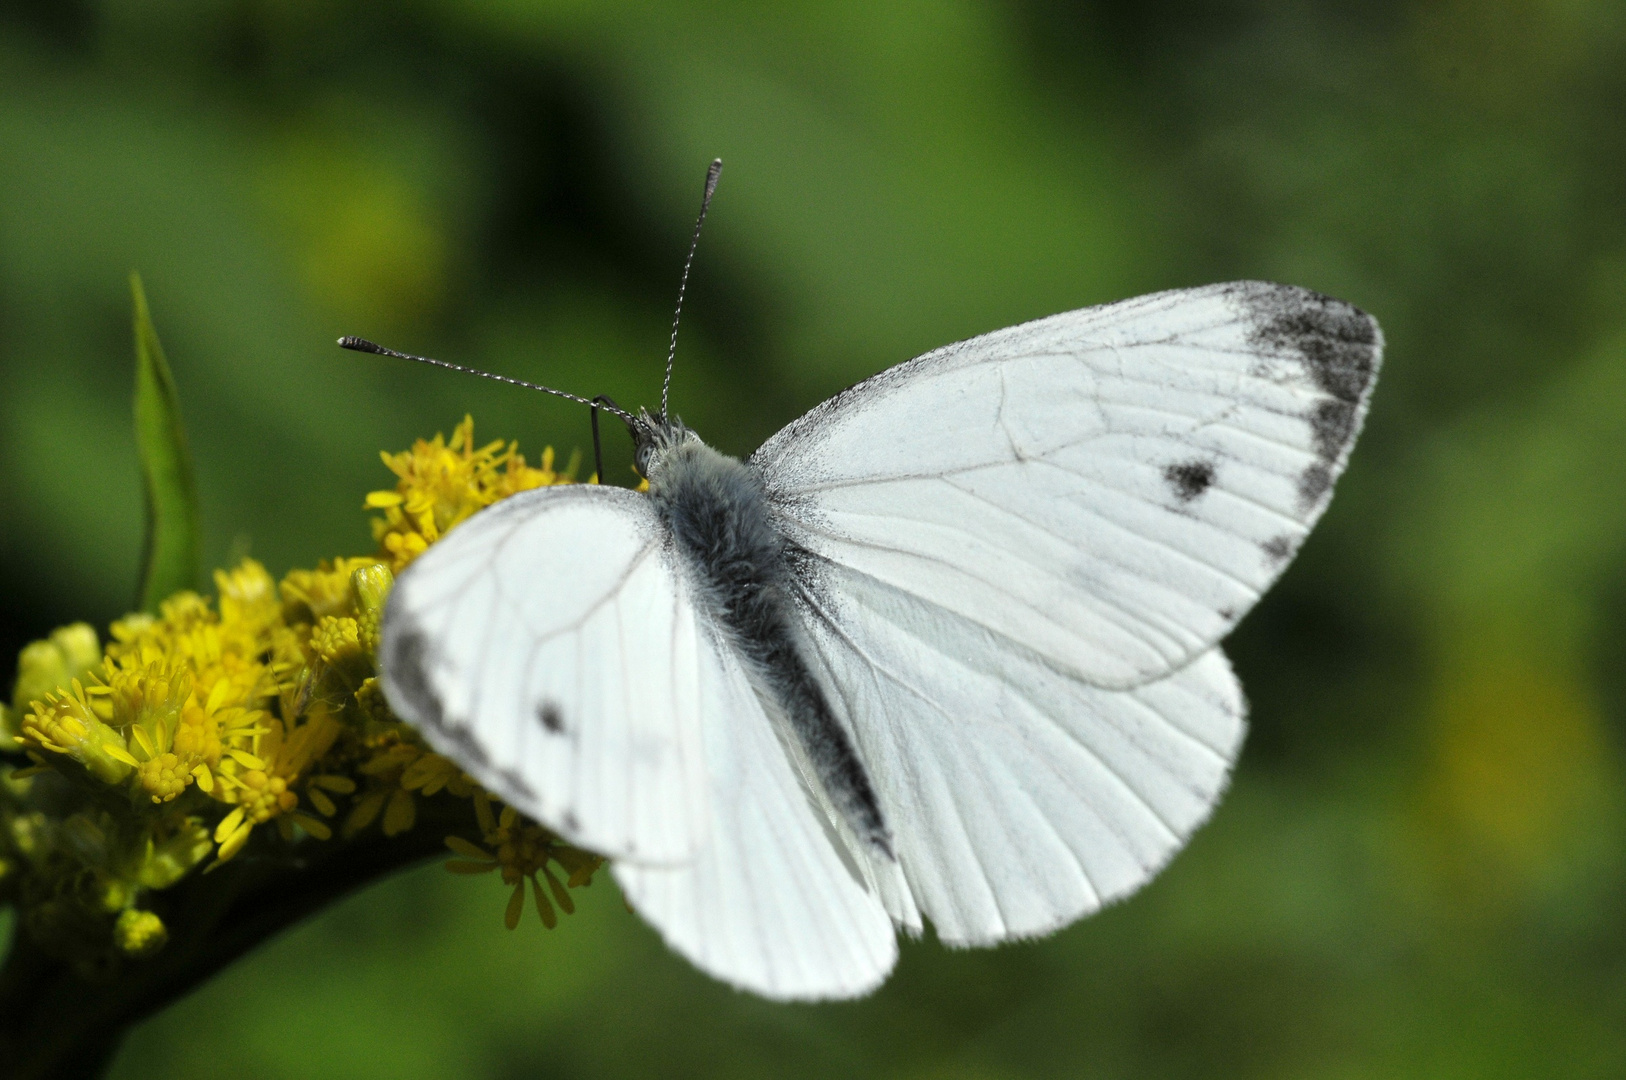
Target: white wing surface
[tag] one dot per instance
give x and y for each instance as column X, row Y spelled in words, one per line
column 548, row 646
column 770, row 905
column 1111, row 489
column 1019, row 797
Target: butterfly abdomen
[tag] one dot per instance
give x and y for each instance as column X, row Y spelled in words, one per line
column 718, row 514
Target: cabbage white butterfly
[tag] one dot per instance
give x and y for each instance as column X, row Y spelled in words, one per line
column 944, row 648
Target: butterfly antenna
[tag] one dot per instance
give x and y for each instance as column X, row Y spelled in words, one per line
column 705, row 204
column 357, row 344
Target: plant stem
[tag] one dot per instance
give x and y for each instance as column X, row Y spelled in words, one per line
column 57, row 1025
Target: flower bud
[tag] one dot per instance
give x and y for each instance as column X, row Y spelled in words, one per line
column 139, row 933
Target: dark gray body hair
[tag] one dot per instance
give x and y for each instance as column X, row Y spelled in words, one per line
column 738, row 564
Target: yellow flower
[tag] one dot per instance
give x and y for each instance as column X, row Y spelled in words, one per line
column 45, row 667
column 310, row 595
column 401, row 770
column 139, row 933
column 522, row 850
column 266, row 793
column 265, row 700
column 442, row 483
column 68, row 724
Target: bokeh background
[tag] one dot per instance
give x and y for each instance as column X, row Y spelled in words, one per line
column 1421, row 867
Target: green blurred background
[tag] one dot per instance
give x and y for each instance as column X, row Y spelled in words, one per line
column 1421, row 867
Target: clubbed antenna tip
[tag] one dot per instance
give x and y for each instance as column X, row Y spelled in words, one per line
column 712, row 174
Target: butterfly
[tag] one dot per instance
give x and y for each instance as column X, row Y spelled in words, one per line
column 944, row 649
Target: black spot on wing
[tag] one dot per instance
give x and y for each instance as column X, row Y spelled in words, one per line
column 570, row 821
column 1189, row 479
column 551, row 718
column 1278, row 549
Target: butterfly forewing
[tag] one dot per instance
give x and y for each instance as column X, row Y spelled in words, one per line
column 769, row 905
column 1112, row 488
column 549, row 647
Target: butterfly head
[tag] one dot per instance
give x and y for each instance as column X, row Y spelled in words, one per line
column 653, row 437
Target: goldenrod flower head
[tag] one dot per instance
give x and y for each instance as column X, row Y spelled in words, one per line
column 522, row 850
column 442, row 483
column 44, row 667
column 175, row 845
column 139, row 933
column 337, row 642
column 391, row 758
column 265, row 791
column 214, row 717
column 248, row 596
column 308, row 596
column 67, row 724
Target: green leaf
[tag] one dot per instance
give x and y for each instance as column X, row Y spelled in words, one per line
column 169, row 561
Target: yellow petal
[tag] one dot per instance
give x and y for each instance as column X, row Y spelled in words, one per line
column 461, row 866
column 516, row 904
column 401, row 814
column 363, row 813
column 228, row 825
column 463, row 847
column 119, row 753
column 341, row 785
column 543, row 908
column 311, row 825
column 559, row 892
column 247, row 760
column 378, row 500
column 234, row 843
column 319, row 799
column 482, row 811
column 420, row 771
column 205, row 778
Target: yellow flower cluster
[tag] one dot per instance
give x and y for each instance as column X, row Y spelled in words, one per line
column 210, row 720
column 442, row 483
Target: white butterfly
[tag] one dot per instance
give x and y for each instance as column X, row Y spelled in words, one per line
column 945, row 648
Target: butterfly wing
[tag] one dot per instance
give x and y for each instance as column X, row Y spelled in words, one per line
column 1019, row 797
column 771, row 904
column 1014, row 558
column 1111, row 488
column 549, row 646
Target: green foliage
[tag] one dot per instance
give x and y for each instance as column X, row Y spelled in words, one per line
column 169, row 550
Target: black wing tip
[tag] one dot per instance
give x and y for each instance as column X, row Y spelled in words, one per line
column 1340, row 348
column 1341, row 345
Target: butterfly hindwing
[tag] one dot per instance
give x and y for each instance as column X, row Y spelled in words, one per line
column 549, row 647
column 1019, row 797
